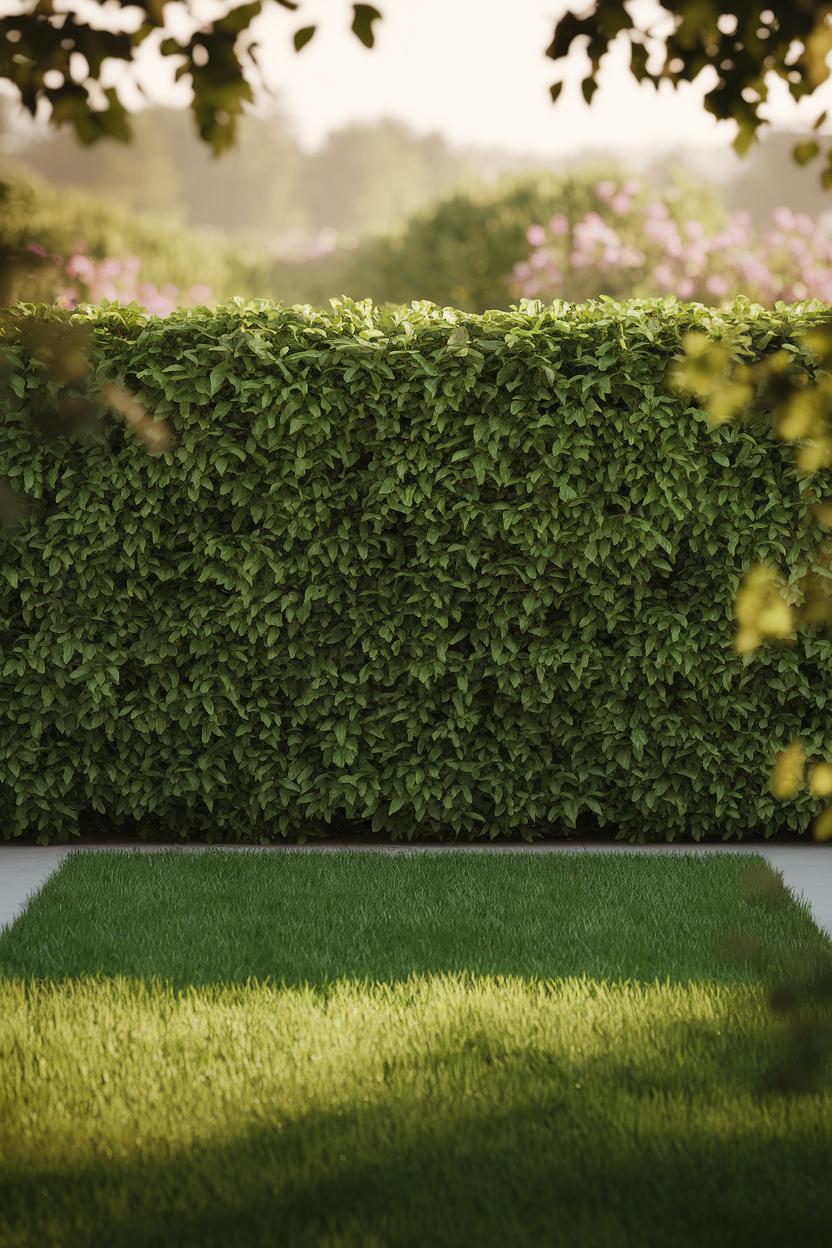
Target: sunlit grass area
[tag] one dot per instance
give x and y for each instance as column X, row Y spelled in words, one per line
column 351, row 1049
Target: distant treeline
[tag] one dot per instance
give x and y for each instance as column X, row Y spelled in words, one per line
column 367, row 178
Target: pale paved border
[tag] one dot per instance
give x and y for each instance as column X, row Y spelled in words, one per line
column 806, row 869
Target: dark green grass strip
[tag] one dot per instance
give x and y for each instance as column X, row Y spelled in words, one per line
column 214, row 917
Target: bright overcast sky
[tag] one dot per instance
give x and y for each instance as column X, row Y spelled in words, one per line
column 474, row 70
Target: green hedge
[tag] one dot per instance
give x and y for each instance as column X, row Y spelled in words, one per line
column 441, row 573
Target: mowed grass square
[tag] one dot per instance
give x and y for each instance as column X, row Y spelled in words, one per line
column 449, row 1048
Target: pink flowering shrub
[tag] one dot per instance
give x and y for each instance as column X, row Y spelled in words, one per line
column 632, row 244
column 87, row 280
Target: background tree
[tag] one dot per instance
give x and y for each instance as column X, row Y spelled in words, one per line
column 167, row 170
column 368, row 177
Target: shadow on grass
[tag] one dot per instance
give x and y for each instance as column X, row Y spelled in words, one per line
column 441, row 1174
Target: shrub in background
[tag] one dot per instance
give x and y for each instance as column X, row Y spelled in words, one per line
column 113, row 280
column 441, row 573
column 463, row 251
column 61, row 220
column 632, row 243
column 459, row 252
column 62, row 223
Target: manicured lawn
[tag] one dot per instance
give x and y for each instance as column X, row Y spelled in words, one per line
column 360, row 1049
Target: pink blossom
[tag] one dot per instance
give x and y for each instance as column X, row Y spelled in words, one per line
column 783, row 217
column 663, row 275
column 154, row 300
column 659, row 229
column 109, row 269
column 628, row 246
column 81, row 267
column 631, row 257
column 115, row 280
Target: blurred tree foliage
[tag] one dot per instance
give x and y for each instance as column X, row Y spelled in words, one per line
column 774, row 602
column 166, row 169
column 367, row 177
column 55, row 57
column 740, row 43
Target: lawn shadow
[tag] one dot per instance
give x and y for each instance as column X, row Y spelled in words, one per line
column 480, row 1130
column 544, row 1172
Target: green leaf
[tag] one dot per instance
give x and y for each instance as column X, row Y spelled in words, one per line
column 238, row 19
column 805, row 151
column 588, row 88
column 302, row 37
column 362, row 23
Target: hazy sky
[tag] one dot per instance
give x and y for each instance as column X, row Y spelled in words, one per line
column 474, row 70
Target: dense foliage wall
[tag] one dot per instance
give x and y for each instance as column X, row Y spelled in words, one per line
column 439, row 572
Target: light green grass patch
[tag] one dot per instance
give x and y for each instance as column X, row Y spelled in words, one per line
column 350, row 1049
